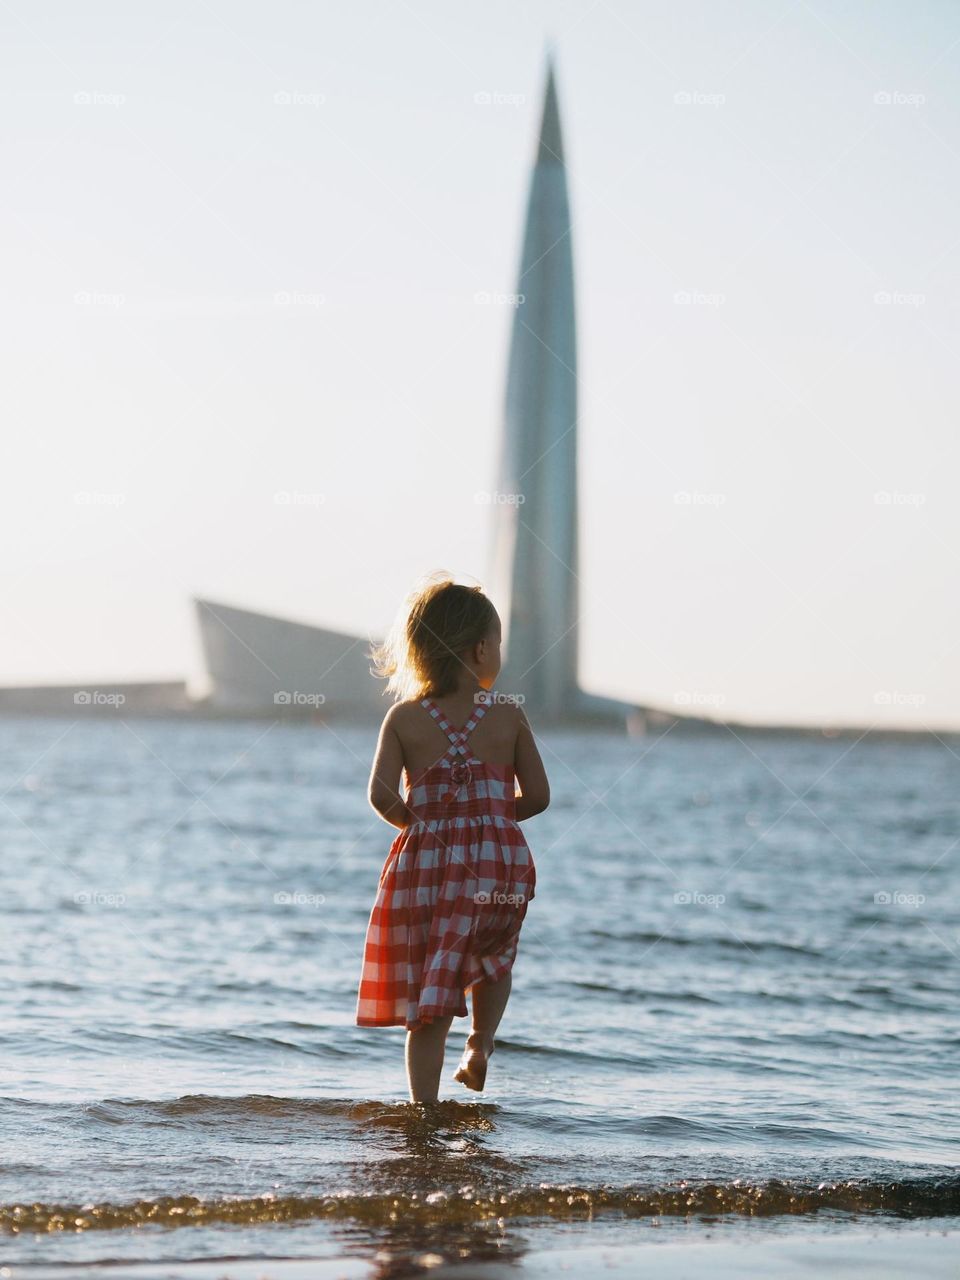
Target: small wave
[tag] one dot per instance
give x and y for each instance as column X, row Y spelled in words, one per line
column 51, row 984
column 646, row 993
column 580, row 1055
column 649, row 936
column 207, row 1041
column 927, row 1197
column 208, row 1109
column 202, row 1106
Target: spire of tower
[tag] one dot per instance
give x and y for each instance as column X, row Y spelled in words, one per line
column 535, row 545
column 550, row 145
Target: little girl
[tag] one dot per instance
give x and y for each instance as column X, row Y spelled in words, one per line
column 454, row 889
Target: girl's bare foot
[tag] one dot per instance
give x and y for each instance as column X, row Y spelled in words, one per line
column 472, row 1071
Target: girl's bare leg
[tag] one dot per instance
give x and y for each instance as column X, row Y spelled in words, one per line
column 488, row 999
column 424, row 1056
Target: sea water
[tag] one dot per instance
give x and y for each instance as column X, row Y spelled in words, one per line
column 735, row 1003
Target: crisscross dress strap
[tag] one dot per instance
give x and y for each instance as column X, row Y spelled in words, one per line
column 429, row 705
column 458, row 737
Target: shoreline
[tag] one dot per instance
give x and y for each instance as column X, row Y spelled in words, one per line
column 881, row 1254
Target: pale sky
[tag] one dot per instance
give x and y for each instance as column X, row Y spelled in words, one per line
column 242, row 246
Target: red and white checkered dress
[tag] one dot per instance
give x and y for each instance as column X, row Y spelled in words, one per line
column 453, row 891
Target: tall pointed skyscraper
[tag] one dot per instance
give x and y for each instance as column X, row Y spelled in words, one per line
column 534, row 571
column 534, row 568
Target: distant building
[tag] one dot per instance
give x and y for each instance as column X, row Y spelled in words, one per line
column 535, row 557
column 258, row 663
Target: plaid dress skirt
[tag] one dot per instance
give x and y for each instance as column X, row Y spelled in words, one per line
column 453, row 892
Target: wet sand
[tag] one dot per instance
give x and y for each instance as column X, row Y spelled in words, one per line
column 882, row 1255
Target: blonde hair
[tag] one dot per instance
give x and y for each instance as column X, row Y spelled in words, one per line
column 438, row 620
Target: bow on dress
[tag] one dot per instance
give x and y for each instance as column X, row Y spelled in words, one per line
column 461, row 776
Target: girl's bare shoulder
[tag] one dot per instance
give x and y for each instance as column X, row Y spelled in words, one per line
column 402, row 715
column 511, row 708
column 505, row 719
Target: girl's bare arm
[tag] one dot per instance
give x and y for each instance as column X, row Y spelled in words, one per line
column 383, row 790
column 530, row 773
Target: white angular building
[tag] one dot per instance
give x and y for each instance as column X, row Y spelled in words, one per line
column 258, row 663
